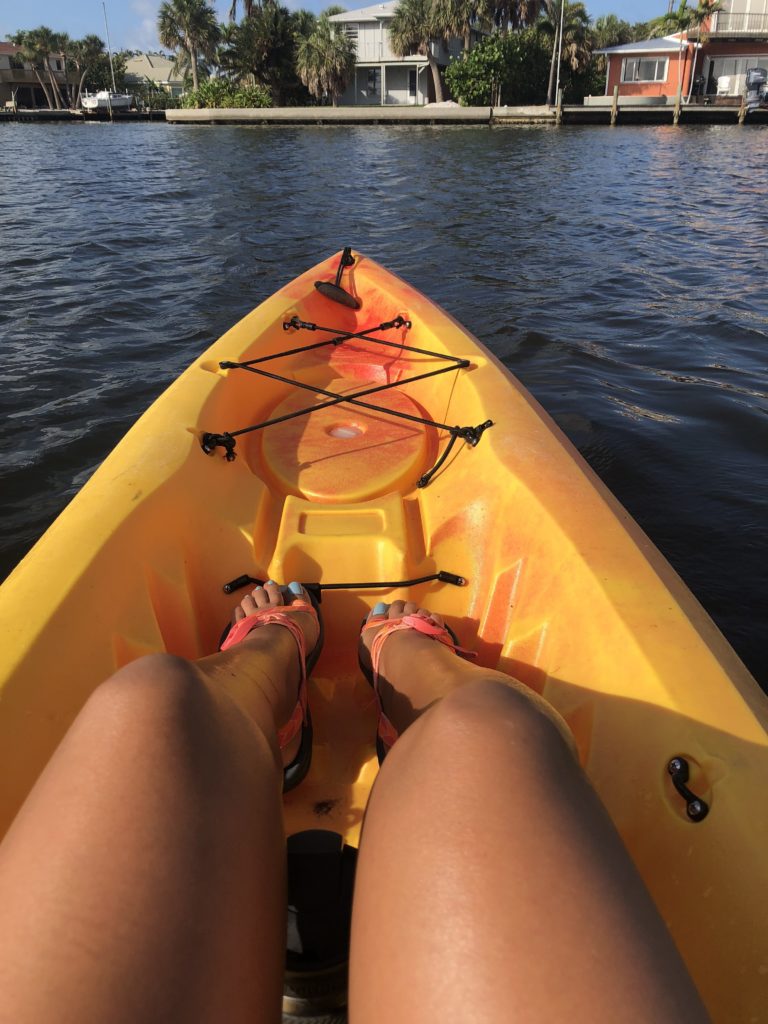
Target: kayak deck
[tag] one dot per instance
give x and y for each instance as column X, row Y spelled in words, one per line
column 562, row 590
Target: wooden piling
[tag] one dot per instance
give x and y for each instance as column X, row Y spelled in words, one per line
column 743, row 110
column 678, row 103
column 615, row 106
column 559, row 107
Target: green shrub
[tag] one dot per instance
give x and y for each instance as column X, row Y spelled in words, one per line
column 221, row 92
column 502, row 69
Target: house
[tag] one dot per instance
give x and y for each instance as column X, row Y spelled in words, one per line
column 709, row 65
column 381, row 77
column 156, row 69
column 19, row 84
column 653, row 67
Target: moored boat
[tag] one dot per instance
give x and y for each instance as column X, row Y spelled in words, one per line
column 105, row 99
column 354, row 436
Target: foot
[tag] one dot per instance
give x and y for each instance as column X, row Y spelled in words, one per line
column 415, row 671
column 268, row 656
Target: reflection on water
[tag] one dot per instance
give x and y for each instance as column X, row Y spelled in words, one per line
column 620, row 274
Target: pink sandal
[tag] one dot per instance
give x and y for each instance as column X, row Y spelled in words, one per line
column 386, row 733
column 301, row 719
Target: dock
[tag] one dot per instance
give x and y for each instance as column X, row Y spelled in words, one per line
column 80, row 116
column 594, row 113
column 605, row 113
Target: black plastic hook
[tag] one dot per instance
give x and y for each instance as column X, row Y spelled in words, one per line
column 333, row 290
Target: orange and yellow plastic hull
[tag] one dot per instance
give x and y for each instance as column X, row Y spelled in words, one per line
column 562, row 590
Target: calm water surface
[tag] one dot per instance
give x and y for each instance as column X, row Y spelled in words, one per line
column 621, row 274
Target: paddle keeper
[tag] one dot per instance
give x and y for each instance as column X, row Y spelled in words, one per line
column 316, row 589
column 696, row 808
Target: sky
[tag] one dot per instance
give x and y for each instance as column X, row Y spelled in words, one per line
column 132, row 23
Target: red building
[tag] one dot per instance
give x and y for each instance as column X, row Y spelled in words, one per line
column 711, row 65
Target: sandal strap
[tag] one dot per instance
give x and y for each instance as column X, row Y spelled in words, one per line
column 280, row 616
column 424, row 624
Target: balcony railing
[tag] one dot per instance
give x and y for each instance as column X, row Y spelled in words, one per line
column 724, row 24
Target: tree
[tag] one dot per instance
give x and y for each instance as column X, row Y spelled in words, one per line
column 304, row 23
column 575, row 46
column 608, row 30
column 414, row 29
column 457, row 18
column 502, row 68
column 37, row 46
column 190, row 26
column 325, row 60
column 261, row 50
column 680, row 23
column 517, row 14
column 85, row 55
column 247, row 8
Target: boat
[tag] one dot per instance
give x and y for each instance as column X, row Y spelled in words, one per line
column 106, row 99
column 350, row 434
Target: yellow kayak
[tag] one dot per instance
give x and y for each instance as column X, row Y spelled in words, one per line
column 354, row 436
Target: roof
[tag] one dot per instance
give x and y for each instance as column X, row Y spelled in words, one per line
column 373, row 13
column 9, row 48
column 155, row 66
column 664, row 44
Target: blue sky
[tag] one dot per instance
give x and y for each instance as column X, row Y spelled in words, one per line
column 132, row 22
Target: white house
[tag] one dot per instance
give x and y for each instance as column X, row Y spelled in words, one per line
column 381, row 77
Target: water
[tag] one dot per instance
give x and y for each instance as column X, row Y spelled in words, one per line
column 621, row 274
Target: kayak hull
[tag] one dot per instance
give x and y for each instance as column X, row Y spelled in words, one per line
column 561, row 590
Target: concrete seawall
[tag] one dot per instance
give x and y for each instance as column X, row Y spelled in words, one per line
column 594, row 114
column 433, row 115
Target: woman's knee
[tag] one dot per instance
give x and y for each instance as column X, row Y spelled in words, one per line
column 490, row 710
column 157, row 684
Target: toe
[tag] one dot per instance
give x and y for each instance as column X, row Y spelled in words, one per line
column 396, row 609
column 379, row 611
column 410, row 608
column 273, row 593
column 260, row 597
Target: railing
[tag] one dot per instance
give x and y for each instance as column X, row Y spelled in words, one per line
column 18, row 76
column 739, row 24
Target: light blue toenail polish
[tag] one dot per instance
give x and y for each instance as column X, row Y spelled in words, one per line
column 271, row 583
column 296, row 588
column 380, row 608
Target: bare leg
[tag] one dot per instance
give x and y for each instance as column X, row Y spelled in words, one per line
column 491, row 884
column 144, row 878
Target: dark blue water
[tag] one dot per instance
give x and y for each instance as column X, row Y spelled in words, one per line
column 621, row 274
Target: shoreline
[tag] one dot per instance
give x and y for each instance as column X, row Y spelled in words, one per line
column 597, row 114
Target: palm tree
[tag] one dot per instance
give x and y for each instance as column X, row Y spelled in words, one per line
column 85, row 54
column 304, row 22
column 414, row 29
column 247, row 8
column 609, row 30
column 517, row 14
column 681, row 22
column 37, row 44
column 457, row 17
column 191, row 26
column 262, row 49
column 325, row 60
column 575, row 44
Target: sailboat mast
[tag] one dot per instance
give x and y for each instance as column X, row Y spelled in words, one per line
column 109, row 47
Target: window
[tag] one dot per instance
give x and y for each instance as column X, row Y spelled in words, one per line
column 412, row 82
column 644, row 69
column 374, row 74
column 58, row 65
column 351, row 31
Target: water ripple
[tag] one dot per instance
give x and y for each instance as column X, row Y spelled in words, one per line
column 620, row 275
